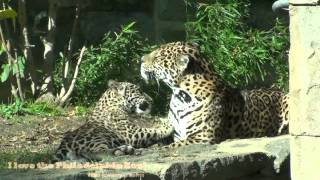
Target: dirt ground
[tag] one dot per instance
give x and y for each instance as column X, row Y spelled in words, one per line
column 34, row 134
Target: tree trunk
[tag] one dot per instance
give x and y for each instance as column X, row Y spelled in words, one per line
column 7, row 45
column 27, row 47
column 18, row 77
column 46, row 90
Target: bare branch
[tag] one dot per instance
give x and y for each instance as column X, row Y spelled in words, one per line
column 74, row 79
column 66, row 64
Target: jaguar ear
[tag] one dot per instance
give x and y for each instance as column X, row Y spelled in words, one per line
column 122, row 89
column 183, row 61
column 112, row 84
column 195, row 44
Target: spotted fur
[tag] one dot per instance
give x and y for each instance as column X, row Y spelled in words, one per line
column 204, row 108
column 115, row 125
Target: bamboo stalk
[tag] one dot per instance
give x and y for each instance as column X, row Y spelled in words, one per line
column 18, row 78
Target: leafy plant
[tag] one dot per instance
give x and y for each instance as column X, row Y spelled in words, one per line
column 8, row 111
column 15, row 64
column 14, row 69
column 7, row 13
column 5, row 72
column 81, row 111
column 242, row 55
column 117, row 57
column 22, row 108
column 42, row 108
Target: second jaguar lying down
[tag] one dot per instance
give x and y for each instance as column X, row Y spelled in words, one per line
column 115, row 125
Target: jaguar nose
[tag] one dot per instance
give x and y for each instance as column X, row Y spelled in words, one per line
column 144, row 106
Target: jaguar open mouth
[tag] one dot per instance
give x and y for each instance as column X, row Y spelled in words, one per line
column 147, row 75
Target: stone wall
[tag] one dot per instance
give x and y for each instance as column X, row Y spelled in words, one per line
column 304, row 105
column 157, row 20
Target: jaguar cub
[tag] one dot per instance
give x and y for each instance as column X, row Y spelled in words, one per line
column 117, row 124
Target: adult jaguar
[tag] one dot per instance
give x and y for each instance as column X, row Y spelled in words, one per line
column 205, row 109
column 114, row 125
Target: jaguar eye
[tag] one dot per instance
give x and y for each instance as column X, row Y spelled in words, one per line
column 144, row 106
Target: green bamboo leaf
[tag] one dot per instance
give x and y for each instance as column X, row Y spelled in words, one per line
column 14, row 69
column 7, row 13
column 2, row 50
column 127, row 29
column 5, row 73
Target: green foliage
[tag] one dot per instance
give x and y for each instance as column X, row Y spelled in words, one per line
column 7, row 13
column 5, row 72
column 19, row 66
column 16, row 68
column 279, row 48
column 22, row 108
column 8, row 111
column 41, row 108
column 117, row 57
column 81, row 111
column 243, row 56
column 2, row 50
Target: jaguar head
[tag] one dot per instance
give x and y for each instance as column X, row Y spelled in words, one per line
column 170, row 62
column 129, row 97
